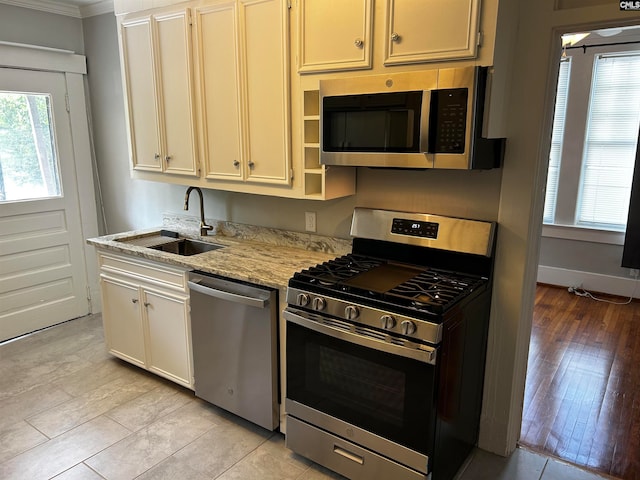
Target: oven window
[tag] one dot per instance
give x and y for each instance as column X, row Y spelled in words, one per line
column 367, row 386
column 386, row 394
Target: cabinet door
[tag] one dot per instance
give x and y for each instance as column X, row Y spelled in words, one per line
column 264, row 29
column 168, row 336
column 140, row 86
column 334, row 35
column 429, row 30
column 122, row 319
column 174, row 65
column 219, row 86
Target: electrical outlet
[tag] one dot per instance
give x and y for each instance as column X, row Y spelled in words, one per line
column 634, row 272
column 310, row 221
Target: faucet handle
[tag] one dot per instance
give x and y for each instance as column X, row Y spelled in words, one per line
column 204, row 229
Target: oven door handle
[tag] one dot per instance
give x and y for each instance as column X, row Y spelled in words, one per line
column 423, row 353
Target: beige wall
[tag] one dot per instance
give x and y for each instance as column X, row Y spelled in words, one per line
column 21, row 25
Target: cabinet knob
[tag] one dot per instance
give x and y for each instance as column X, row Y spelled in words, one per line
column 157, row 156
column 236, row 163
column 395, row 37
column 358, row 43
column 167, row 158
column 251, row 164
column 146, row 304
column 134, row 300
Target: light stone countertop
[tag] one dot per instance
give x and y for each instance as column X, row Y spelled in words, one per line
column 263, row 256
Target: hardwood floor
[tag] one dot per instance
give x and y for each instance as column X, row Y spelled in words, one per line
column 582, row 396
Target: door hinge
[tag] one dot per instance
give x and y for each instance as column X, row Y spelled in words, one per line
column 479, row 44
column 66, row 102
column 291, row 173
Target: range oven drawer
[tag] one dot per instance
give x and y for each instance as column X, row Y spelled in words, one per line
column 344, row 457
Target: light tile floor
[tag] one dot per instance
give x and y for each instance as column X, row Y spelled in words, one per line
column 70, row 411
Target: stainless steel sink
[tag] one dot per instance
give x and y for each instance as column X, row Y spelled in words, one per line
column 186, row 247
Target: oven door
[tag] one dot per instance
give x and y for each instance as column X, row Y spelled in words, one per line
column 365, row 382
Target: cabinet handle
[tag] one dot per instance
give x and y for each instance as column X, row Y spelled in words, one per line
column 395, row 37
column 157, row 156
column 167, row 158
column 134, row 300
column 358, row 43
column 236, row 163
column 251, row 164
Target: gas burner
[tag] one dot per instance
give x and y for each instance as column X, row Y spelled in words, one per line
column 335, row 271
column 433, row 289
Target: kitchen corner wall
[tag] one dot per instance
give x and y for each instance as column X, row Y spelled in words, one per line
column 131, row 204
column 32, row 27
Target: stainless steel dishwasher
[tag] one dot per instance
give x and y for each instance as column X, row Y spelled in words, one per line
column 234, row 329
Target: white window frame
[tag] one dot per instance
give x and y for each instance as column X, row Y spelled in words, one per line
column 569, row 180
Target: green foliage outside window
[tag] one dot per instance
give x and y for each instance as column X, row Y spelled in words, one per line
column 28, row 166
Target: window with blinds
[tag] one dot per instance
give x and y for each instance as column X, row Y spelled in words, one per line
column 556, row 140
column 611, row 139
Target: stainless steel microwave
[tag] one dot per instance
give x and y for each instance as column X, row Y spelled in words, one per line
column 422, row 119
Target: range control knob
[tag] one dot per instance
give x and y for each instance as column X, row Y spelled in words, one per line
column 388, row 322
column 351, row 312
column 302, row 299
column 408, row 327
column 318, row 303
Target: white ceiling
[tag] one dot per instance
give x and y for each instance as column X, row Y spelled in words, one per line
column 71, row 8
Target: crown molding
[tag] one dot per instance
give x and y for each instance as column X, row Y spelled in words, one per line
column 98, row 8
column 50, row 6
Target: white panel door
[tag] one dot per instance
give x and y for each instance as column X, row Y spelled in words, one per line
column 43, row 277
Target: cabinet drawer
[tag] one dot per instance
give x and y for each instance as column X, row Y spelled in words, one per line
column 144, row 270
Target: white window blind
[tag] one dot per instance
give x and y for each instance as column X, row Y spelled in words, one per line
column 610, row 142
column 556, row 140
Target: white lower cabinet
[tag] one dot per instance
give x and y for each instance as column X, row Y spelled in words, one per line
column 146, row 315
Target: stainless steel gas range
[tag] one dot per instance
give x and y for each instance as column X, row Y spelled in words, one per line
column 386, row 348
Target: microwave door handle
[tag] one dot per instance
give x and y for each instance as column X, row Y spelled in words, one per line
column 425, row 125
column 424, row 354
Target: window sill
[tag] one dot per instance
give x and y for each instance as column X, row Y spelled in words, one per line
column 582, row 234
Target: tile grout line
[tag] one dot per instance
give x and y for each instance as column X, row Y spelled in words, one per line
column 546, row 462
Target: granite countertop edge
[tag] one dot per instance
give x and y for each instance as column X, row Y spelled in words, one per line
column 263, row 256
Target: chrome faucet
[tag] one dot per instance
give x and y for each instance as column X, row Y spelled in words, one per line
column 204, row 228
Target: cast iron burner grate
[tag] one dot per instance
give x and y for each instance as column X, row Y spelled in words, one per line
column 334, row 272
column 433, row 288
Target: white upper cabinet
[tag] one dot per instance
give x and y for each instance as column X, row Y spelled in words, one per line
column 338, row 35
column 157, row 70
column 430, row 30
column 218, row 50
column 140, row 84
column 243, row 64
column 334, row 35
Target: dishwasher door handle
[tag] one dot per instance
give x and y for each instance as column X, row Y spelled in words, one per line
column 229, row 296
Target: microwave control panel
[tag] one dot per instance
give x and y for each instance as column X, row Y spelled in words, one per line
column 449, row 116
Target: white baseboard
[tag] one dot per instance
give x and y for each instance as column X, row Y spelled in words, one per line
column 593, row 282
